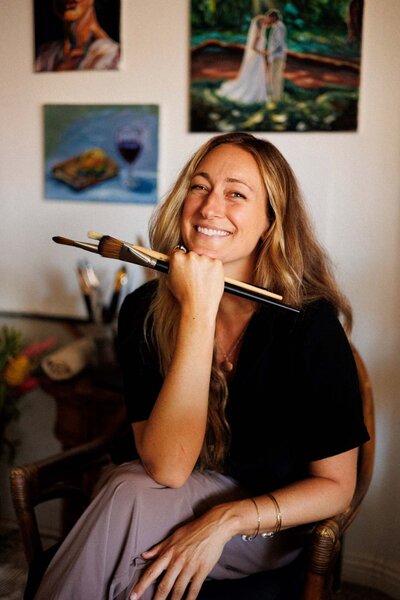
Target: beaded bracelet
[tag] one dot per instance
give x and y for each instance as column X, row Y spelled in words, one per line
column 278, row 517
column 249, row 538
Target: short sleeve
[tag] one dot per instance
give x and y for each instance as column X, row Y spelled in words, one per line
column 138, row 360
column 332, row 421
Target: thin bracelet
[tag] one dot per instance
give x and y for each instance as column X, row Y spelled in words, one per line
column 278, row 517
column 249, row 538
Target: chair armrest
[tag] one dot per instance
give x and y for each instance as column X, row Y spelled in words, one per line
column 57, row 476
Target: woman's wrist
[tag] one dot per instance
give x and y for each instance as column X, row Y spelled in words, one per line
column 231, row 518
column 249, row 517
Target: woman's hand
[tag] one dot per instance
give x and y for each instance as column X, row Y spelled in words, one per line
column 197, row 282
column 185, row 558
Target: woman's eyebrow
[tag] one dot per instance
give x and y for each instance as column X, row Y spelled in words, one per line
column 228, row 179
column 233, row 180
column 202, row 174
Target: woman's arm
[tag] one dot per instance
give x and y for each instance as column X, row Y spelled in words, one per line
column 192, row 551
column 327, row 492
column 169, row 442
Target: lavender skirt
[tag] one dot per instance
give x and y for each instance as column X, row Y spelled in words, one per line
column 101, row 557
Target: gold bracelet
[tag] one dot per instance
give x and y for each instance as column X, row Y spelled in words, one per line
column 249, row 538
column 278, row 517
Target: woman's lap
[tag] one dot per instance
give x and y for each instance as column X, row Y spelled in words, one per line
column 101, row 556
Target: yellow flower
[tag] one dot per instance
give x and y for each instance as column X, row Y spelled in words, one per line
column 17, row 370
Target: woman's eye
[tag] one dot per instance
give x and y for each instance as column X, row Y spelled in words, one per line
column 237, row 195
column 197, row 186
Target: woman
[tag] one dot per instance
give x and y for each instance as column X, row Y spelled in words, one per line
column 250, row 85
column 85, row 44
column 228, row 398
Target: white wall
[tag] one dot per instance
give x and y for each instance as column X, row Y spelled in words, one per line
column 351, row 181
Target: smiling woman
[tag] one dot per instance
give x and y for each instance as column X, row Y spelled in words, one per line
column 226, row 398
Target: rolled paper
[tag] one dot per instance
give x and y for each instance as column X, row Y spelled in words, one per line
column 70, row 359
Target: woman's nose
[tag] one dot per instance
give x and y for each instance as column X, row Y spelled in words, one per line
column 213, row 205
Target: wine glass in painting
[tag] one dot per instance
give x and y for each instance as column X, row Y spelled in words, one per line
column 129, row 141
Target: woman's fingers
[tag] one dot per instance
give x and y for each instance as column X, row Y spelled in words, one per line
column 183, row 560
column 173, row 577
column 192, row 584
column 179, row 578
column 196, row 280
column 150, row 575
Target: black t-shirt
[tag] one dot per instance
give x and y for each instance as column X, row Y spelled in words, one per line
column 294, row 397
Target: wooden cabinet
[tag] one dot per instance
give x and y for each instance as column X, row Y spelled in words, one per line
column 88, row 405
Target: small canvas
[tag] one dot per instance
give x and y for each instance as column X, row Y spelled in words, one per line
column 76, row 35
column 101, row 153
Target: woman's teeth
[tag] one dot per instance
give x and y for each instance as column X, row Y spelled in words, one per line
column 212, row 232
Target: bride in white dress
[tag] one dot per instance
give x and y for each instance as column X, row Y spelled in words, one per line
column 250, row 85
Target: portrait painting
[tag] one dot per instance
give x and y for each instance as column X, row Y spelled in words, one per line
column 101, row 153
column 275, row 65
column 73, row 35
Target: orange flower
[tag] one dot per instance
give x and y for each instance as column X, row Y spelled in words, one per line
column 17, row 370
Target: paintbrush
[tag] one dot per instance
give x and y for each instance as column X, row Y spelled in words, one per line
column 121, row 279
column 58, row 239
column 113, row 248
column 92, row 285
column 87, row 278
column 85, row 289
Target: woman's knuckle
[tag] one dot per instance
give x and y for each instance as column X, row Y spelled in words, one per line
column 163, row 587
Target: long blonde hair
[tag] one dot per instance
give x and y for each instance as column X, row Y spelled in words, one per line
column 290, row 262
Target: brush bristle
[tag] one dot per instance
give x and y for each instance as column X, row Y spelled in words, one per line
column 110, row 247
column 58, row 239
column 94, row 235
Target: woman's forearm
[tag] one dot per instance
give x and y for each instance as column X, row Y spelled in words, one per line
column 326, row 493
column 171, row 440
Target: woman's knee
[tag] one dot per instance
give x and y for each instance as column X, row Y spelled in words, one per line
column 130, row 478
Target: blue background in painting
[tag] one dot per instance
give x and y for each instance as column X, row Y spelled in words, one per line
column 96, row 126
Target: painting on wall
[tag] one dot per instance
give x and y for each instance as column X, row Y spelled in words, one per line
column 76, row 35
column 103, row 153
column 275, row 65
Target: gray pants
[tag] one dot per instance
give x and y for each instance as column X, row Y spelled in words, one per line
column 101, row 557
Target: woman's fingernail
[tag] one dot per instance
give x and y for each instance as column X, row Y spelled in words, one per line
column 133, row 596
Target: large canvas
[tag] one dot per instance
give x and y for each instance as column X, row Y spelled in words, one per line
column 103, row 153
column 73, row 35
column 272, row 65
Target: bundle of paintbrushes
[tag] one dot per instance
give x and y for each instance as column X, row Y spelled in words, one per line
column 110, row 247
column 91, row 292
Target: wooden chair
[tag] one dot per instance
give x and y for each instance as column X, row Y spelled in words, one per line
column 61, row 476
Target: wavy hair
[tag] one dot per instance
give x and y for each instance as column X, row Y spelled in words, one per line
column 290, row 261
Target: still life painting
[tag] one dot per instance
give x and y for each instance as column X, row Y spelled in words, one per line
column 75, row 35
column 275, row 65
column 103, row 153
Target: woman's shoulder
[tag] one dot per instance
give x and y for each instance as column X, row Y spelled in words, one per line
column 136, row 304
column 144, row 293
column 320, row 331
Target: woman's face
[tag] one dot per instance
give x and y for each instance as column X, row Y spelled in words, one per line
column 72, row 10
column 224, row 214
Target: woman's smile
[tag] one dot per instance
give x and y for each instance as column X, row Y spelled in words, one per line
column 225, row 212
column 212, row 232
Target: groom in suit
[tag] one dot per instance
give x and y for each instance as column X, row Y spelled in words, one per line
column 276, row 52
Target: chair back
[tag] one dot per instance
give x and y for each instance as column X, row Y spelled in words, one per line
column 326, row 538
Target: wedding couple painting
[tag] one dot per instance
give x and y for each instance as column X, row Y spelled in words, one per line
column 257, row 82
column 274, row 65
